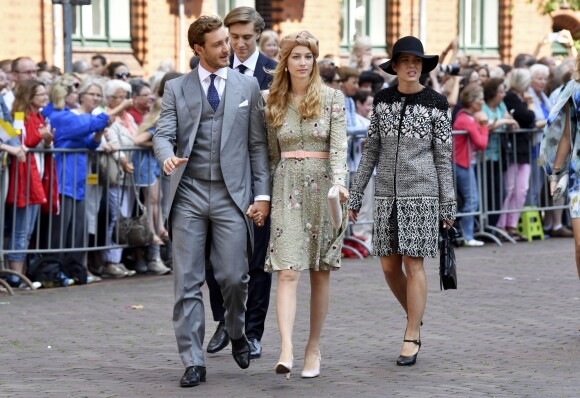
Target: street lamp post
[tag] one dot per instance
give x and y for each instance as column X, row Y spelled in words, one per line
column 68, row 28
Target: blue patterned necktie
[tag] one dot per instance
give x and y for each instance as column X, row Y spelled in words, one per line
column 212, row 95
column 242, row 69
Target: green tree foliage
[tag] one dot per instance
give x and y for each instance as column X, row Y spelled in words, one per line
column 547, row 7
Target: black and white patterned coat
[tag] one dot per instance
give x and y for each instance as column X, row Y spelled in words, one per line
column 409, row 143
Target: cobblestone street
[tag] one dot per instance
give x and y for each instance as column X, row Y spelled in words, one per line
column 511, row 330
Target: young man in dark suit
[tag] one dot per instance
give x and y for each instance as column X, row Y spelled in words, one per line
column 245, row 26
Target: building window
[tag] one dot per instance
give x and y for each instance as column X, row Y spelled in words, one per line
column 223, row 7
column 478, row 21
column 358, row 19
column 102, row 25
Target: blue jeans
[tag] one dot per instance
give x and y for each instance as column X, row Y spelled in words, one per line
column 467, row 188
column 21, row 227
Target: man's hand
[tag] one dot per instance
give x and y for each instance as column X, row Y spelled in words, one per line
column 258, row 212
column 172, row 163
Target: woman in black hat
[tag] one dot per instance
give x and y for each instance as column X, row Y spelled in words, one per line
column 409, row 143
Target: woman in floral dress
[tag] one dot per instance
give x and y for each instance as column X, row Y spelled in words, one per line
column 307, row 141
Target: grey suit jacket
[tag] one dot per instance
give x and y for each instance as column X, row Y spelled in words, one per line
column 244, row 149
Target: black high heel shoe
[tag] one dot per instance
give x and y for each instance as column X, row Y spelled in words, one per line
column 411, row 359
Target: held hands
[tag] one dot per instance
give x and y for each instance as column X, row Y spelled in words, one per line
column 558, row 185
column 172, row 163
column 258, row 212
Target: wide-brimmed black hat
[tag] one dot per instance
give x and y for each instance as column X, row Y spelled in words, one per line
column 410, row 45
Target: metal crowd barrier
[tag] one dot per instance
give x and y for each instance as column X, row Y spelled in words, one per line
column 490, row 185
column 48, row 239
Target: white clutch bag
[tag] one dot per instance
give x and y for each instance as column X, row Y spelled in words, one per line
column 334, row 207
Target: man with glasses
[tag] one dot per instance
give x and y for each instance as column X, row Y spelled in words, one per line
column 23, row 68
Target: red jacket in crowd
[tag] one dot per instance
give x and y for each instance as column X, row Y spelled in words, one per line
column 478, row 136
column 31, row 188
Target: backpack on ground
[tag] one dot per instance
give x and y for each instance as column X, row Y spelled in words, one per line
column 45, row 269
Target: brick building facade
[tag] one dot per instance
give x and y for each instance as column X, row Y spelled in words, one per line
column 158, row 27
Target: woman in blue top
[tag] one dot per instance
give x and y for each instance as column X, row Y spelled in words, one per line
column 75, row 130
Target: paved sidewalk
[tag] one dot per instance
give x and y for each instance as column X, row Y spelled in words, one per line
column 511, row 330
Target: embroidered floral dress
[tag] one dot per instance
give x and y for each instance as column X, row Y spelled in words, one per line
column 302, row 236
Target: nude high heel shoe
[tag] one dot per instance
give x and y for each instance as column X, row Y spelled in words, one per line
column 284, row 368
column 309, row 374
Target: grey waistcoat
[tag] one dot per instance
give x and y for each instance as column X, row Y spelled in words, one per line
column 204, row 160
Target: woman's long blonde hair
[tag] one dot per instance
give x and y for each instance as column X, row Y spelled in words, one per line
column 280, row 89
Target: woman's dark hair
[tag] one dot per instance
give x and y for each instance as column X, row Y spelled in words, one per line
column 490, row 88
column 111, row 68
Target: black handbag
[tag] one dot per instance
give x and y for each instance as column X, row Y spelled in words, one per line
column 447, row 264
column 133, row 231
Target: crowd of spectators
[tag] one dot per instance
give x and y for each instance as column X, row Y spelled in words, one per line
column 72, row 122
column 101, row 106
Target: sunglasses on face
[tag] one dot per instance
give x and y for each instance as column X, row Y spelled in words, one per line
column 122, row 75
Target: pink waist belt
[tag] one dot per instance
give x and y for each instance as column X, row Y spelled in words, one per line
column 304, row 155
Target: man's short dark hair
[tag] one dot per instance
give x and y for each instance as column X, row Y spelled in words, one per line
column 362, row 96
column 201, row 26
column 245, row 14
column 101, row 59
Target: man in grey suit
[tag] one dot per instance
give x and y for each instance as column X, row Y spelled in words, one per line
column 214, row 117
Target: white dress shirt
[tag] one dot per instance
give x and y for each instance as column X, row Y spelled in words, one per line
column 250, row 63
column 219, row 82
